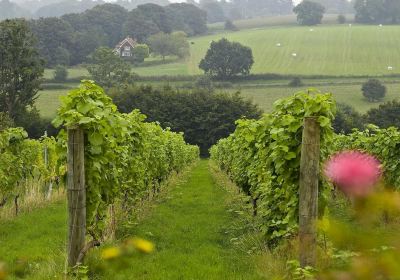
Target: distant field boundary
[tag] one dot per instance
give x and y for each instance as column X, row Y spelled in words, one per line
column 51, row 84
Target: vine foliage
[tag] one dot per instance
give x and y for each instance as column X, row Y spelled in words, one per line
column 263, row 158
column 124, row 156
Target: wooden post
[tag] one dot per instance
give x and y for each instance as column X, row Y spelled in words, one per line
column 76, row 195
column 308, row 200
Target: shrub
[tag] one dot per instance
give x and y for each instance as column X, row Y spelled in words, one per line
column 386, row 115
column 341, row 19
column 204, row 82
column 346, row 119
column 60, row 74
column 373, row 90
column 229, row 25
column 295, row 82
column 202, row 116
column 140, row 52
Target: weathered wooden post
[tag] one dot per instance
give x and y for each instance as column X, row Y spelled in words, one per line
column 76, row 192
column 308, row 200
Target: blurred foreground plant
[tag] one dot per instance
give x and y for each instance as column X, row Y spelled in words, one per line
column 367, row 245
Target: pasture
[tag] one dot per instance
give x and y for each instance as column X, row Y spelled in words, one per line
column 337, row 50
column 263, row 92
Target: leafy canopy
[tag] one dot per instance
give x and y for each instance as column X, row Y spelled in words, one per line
column 226, row 59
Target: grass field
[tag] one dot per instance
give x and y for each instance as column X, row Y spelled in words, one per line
column 193, row 225
column 33, row 245
column 327, row 50
column 263, row 93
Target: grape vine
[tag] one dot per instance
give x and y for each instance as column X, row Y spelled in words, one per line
column 263, row 158
column 124, row 156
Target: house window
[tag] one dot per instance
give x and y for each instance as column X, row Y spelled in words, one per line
column 126, row 53
column 127, row 48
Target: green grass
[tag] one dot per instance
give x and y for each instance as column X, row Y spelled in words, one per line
column 188, row 229
column 348, row 94
column 49, row 101
column 264, row 93
column 36, row 242
column 329, row 50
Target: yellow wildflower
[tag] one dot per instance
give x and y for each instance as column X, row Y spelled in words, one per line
column 142, row 245
column 110, row 253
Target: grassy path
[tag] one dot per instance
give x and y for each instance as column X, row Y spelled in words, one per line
column 34, row 243
column 188, row 230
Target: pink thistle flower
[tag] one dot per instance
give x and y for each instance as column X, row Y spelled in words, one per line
column 354, row 173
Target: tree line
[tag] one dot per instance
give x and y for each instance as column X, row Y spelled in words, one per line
column 69, row 39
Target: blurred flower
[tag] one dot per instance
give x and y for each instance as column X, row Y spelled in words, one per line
column 110, row 253
column 141, row 245
column 355, row 173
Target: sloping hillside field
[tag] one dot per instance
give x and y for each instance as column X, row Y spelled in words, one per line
column 328, row 50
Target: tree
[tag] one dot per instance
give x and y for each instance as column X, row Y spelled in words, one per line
column 110, row 18
column 226, row 59
column 309, row 13
column 295, row 82
column 386, row 115
column 55, row 37
column 21, row 68
column 188, row 18
column 169, row 44
column 60, row 73
column 139, row 27
column 373, row 90
column 229, row 25
column 341, row 19
column 140, row 52
column 336, row 6
column 107, row 69
column 377, row 11
column 203, row 116
column 214, row 11
column 156, row 14
column 346, row 119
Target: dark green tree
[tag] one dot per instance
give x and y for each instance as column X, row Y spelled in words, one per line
column 156, row 14
column 346, row 119
column 377, row 11
column 226, row 59
column 203, row 116
column 60, row 73
column 309, row 13
column 110, row 18
column 341, row 19
column 21, row 68
column 229, row 25
column 386, row 115
column 188, row 18
column 55, row 38
column 107, row 69
column 373, row 90
column 140, row 52
column 139, row 27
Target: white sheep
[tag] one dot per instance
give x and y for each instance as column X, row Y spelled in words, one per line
column 278, row 44
column 390, row 68
column 294, row 54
